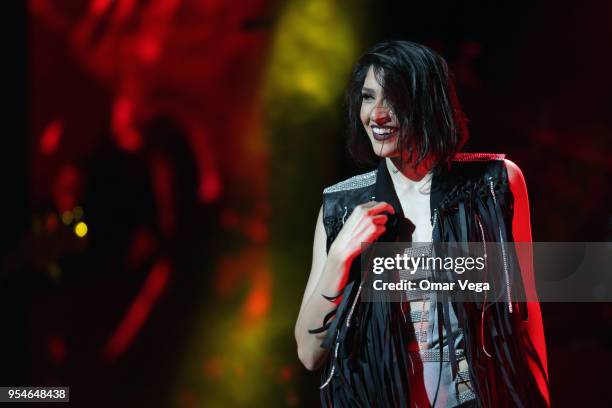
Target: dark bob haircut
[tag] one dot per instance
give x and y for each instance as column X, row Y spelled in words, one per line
column 418, row 88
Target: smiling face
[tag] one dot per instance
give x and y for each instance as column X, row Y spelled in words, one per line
column 379, row 121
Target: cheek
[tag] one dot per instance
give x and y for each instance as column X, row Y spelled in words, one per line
column 363, row 114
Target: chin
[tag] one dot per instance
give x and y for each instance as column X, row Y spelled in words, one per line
column 388, row 148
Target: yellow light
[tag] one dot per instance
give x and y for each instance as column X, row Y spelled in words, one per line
column 311, row 57
column 80, row 229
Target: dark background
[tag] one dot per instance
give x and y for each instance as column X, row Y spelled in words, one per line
column 193, row 138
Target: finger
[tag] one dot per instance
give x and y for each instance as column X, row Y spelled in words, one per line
column 369, row 204
column 374, row 235
column 380, row 219
column 380, row 207
column 380, row 229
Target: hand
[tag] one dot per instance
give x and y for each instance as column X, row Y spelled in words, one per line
column 365, row 224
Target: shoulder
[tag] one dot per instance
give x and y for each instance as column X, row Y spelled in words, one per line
column 493, row 167
column 353, row 183
column 340, row 199
column 517, row 183
column 472, row 175
column 515, row 175
column 472, row 167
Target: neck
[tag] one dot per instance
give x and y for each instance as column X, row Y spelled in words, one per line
column 411, row 173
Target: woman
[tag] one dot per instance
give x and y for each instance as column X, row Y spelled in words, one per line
column 404, row 116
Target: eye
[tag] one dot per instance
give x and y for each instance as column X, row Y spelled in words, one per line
column 367, row 96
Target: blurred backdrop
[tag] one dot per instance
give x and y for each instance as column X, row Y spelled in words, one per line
column 164, row 181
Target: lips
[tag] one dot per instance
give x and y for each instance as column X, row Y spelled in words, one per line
column 381, row 133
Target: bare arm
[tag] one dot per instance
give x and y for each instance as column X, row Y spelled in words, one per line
column 521, row 230
column 327, row 276
column 329, row 273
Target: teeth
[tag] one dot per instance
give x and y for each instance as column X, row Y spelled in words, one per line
column 382, row 131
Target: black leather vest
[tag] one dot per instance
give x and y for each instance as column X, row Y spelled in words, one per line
column 473, row 188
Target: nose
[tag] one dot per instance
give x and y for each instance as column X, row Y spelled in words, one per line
column 381, row 115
